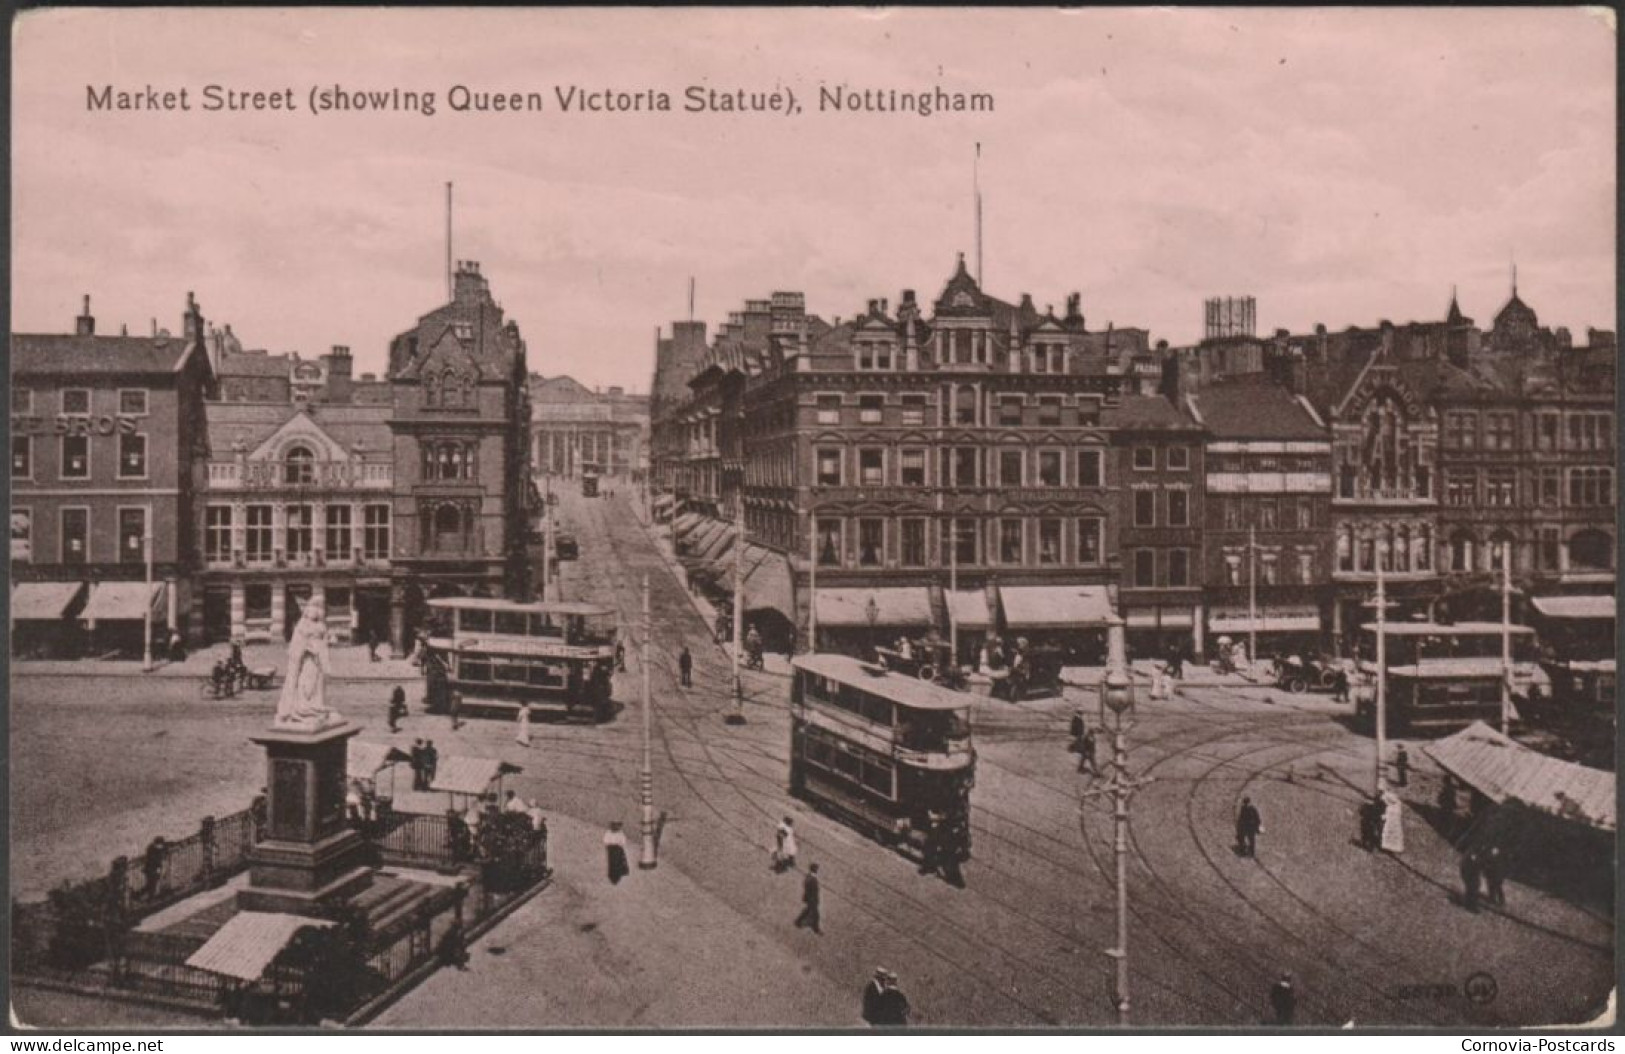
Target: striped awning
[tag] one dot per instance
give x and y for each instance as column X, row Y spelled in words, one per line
column 1503, row 770
column 43, row 600
column 248, row 943
column 110, row 601
column 891, row 606
column 687, row 522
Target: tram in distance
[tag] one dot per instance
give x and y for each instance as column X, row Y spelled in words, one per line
column 882, row 751
column 499, row 655
column 1443, row 676
column 589, row 481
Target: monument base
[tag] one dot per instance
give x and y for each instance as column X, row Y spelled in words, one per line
column 310, row 856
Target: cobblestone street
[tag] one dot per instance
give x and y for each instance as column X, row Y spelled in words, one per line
column 1022, row 945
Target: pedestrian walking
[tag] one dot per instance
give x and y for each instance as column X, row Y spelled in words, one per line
column 431, row 764
column 891, row 1009
column 522, row 737
column 1086, row 753
column 1371, row 811
column 153, row 863
column 397, row 708
column 1249, row 825
column 1284, row 1000
column 1393, row 823
column 872, row 994
column 685, row 667
column 1447, row 796
column 1471, row 872
column 1495, row 873
column 417, row 764
column 615, row 852
column 1402, row 767
column 1076, row 729
column 620, row 656
column 784, row 846
column 1340, row 686
column 810, row 901
column 455, row 710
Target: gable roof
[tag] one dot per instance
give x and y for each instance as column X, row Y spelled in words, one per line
column 1255, row 408
column 254, row 425
column 52, row 354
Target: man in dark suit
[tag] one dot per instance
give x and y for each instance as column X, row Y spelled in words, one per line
column 810, row 901
column 1248, row 826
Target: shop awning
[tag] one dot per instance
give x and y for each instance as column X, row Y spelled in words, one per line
column 366, row 759
column 893, row 606
column 110, row 601
column 1503, row 770
column 687, row 522
column 469, row 775
column 1265, row 624
column 1171, row 618
column 768, row 583
column 1577, row 607
column 1055, row 607
column 718, row 547
column 663, row 501
column 43, row 600
column 969, row 609
column 248, row 943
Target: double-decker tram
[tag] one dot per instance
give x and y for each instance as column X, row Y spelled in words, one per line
column 499, row 655
column 1443, row 676
column 884, row 752
column 589, row 481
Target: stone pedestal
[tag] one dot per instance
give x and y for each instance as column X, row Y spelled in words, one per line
column 309, row 856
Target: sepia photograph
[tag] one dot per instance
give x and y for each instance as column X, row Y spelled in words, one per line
column 812, row 519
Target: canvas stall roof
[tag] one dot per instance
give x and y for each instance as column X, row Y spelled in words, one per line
column 464, row 775
column 366, row 759
column 122, row 600
column 1503, row 771
column 969, row 609
column 893, row 606
column 902, row 689
column 1055, row 607
column 1266, row 624
column 247, row 943
column 1577, row 607
column 43, row 600
column 1169, row 618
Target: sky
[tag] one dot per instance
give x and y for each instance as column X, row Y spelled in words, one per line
column 1341, row 165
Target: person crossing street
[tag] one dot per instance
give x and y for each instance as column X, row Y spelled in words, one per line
column 1249, row 825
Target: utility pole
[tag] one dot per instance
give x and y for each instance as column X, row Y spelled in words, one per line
column 146, row 607
column 1252, row 595
column 1506, row 636
column 953, row 591
column 812, row 582
column 738, row 715
column 1380, row 783
column 646, row 778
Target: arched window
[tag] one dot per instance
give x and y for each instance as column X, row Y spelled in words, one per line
column 446, row 450
column 299, row 465
column 1591, row 551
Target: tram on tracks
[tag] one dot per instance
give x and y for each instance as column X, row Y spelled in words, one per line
column 1443, row 676
column 589, row 481
column 882, row 751
column 496, row 656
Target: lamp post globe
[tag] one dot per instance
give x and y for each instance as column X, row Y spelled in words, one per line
column 1117, row 692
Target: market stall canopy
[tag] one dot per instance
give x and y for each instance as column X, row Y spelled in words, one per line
column 248, row 943
column 1170, row 618
column 1503, row 771
column 1266, row 624
column 969, row 609
column 1055, row 607
column 110, row 601
column 458, row 775
column 664, row 501
column 1577, row 607
column 43, row 600
column 687, row 522
column 366, row 759
column 893, row 606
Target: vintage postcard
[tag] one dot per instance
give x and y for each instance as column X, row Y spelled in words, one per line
column 633, row 519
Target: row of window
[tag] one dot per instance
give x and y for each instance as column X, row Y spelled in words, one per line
column 449, row 460
column 1009, row 410
column 1271, row 567
column 1267, row 513
column 1588, row 487
column 1005, row 541
column 132, row 402
column 959, row 467
column 73, row 534
column 74, row 456
column 339, row 537
column 1498, row 430
column 1402, row 549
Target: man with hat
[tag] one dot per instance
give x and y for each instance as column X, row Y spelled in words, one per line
column 872, row 994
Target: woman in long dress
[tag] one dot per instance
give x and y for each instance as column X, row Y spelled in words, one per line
column 1393, row 823
column 523, row 736
column 615, row 852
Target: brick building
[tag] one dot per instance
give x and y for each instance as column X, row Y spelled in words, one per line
column 107, row 451
column 460, row 417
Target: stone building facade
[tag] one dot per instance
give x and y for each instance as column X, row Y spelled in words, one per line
column 574, row 428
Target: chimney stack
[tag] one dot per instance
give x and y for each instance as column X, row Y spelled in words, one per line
column 85, row 324
column 192, row 322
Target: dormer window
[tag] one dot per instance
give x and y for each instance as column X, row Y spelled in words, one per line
column 463, row 330
column 299, row 466
column 874, row 355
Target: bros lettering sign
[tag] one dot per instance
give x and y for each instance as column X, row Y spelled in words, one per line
column 73, row 424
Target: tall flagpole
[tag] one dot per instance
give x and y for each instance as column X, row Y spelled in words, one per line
column 451, row 288
column 976, row 185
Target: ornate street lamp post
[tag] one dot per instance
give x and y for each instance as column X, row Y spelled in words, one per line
column 871, row 611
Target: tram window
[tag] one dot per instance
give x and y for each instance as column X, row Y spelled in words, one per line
column 847, row 764
column 473, row 670
column 817, row 687
column 510, row 671
column 875, row 709
column 474, row 620
column 541, row 674
column 542, row 626
column 510, row 622
column 877, row 777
